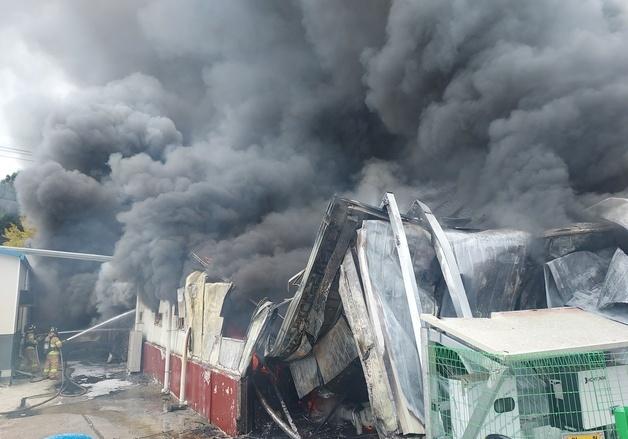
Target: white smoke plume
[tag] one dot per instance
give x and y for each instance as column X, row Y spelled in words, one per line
column 224, row 126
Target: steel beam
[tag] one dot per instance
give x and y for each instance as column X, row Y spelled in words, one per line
column 407, row 270
column 59, row 254
column 447, row 261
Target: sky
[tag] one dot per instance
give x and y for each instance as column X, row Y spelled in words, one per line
column 24, row 73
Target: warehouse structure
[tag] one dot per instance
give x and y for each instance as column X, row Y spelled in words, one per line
column 17, row 302
column 348, row 345
column 182, row 346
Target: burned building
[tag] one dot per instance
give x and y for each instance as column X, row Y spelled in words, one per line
column 17, row 302
column 182, row 345
column 346, row 346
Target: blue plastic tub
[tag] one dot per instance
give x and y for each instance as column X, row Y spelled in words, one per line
column 69, row 436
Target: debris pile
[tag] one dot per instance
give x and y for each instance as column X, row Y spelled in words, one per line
column 351, row 332
column 345, row 348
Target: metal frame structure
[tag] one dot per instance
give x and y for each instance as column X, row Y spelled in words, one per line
column 339, row 247
column 509, row 357
column 60, row 254
column 405, row 262
column 429, row 334
column 447, row 260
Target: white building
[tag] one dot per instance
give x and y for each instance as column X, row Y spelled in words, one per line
column 16, row 301
column 185, row 346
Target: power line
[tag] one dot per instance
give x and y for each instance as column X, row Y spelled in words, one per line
column 14, row 153
column 15, row 147
column 16, row 150
column 16, row 158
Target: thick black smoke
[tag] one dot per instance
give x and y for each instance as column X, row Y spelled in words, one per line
column 223, row 127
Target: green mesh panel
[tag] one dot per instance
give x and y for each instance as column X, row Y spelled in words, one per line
column 536, row 396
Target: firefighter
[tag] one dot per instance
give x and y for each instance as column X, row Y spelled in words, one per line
column 52, row 345
column 30, row 361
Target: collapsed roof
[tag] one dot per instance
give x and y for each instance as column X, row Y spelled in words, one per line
column 372, row 271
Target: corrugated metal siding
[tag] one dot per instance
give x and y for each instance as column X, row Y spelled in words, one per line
column 208, row 392
column 198, row 390
column 175, row 374
column 230, row 353
column 224, row 413
column 153, row 361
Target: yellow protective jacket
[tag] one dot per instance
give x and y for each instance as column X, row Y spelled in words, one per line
column 54, row 343
column 29, row 339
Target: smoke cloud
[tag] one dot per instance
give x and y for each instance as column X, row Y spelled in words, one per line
column 224, row 127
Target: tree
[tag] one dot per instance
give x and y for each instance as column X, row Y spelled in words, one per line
column 6, row 219
column 10, row 179
column 18, row 235
column 8, row 204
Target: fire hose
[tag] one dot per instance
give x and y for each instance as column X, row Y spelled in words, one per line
column 55, row 395
column 65, row 381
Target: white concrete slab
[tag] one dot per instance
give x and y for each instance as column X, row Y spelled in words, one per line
column 135, row 412
column 11, row 396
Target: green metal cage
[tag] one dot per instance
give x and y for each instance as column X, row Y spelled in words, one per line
column 473, row 394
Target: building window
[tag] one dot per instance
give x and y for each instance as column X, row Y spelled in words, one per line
column 158, row 318
column 140, row 317
column 181, row 323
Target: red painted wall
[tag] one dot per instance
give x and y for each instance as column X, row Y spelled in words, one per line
column 153, row 361
column 208, row 391
column 224, row 397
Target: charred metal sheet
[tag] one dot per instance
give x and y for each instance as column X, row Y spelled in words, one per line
column 315, row 319
column 305, row 375
column 301, row 326
column 425, row 266
column 579, row 237
column 492, row 265
column 246, row 419
column 335, row 351
column 447, row 261
column 391, row 320
column 303, row 320
column 255, row 331
column 386, row 271
column 367, row 284
column 575, row 279
column 377, row 384
column 612, row 209
column 291, row 332
column 531, row 294
column 615, row 289
column 596, row 282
